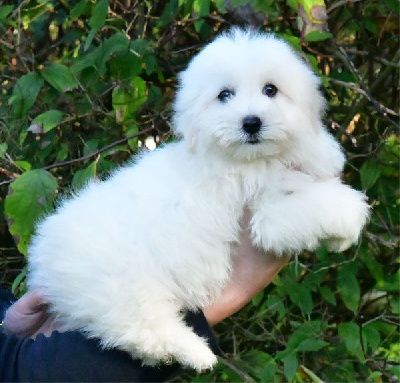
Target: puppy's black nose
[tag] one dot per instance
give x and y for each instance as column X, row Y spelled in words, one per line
column 251, row 124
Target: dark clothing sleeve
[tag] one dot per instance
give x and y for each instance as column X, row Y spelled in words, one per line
column 72, row 357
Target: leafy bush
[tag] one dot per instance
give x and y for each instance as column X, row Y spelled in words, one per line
column 86, row 83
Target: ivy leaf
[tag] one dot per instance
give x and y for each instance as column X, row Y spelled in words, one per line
column 31, row 197
column 48, row 120
column 24, row 94
column 350, row 334
column 60, row 77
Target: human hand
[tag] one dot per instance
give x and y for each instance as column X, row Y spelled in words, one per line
column 253, row 270
column 29, row 316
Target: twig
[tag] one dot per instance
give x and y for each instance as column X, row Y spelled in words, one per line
column 342, row 130
column 341, row 53
column 8, row 173
column 97, row 152
column 368, row 54
column 364, row 93
column 341, row 3
column 246, row 377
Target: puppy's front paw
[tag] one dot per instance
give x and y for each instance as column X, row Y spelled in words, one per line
column 203, row 362
column 343, row 227
column 199, row 357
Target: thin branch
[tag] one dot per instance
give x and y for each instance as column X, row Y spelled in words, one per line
column 97, row 152
column 342, row 130
column 358, row 90
column 9, row 174
column 368, row 54
column 243, row 375
column 341, row 53
column 340, row 4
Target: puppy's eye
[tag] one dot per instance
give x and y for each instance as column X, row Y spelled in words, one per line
column 270, row 90
column 225, row 95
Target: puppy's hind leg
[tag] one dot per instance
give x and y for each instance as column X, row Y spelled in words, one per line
column 156, row 332
column 166, row 336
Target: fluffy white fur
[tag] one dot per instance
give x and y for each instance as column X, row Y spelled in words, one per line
column 122, row 260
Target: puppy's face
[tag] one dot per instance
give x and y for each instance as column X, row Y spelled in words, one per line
column 248, row 96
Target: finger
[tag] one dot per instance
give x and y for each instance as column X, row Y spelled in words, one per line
column 30, row 303
column 26, row 315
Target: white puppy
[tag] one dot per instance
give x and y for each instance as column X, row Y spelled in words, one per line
column 122, row 260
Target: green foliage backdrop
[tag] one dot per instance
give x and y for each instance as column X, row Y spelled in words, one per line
column 84, row 83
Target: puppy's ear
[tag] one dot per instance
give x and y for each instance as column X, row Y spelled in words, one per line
column 183, row 127
column 184, row 117
column 318, row 154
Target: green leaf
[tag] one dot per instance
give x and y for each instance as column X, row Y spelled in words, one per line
column 48, row 120
column 97, row 20
column 99, row 14
column 18, row 281
column 371, row 336
column 369, row 173
column 328, row 295
column 100, row 55
column 290, row 365
column 348, row 287
column 84, row 176
column 390, row 282
column 350, row 335
column 25, row 93
column 78, row 10
column 307, row 330
column 24, row 165
column 125, row 65
column 374, row 267
column 312, row 345
column 60, row 77
column 169, row 14
column 126, row 100
column 31, row 197
column 3, row 149
column 4, row 15
column 263, row 365
column 5, row 10
column 314, row 36
column 300, row 295
column 294, row 4
column 257, row 298
column 201, row 8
